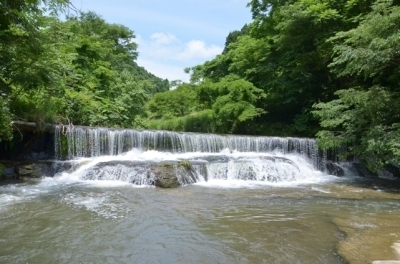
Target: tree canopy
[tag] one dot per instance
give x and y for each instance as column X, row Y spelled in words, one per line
column 321, row 68
column 315, row 67
column 78, row 70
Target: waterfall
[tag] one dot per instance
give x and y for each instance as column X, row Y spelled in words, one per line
column 76, row 142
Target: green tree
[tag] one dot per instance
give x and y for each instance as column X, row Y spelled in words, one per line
column 285, row 52
column 365, row 119
column 21, row 47
column 227, row 106
column 236, row 105
column 174, row 103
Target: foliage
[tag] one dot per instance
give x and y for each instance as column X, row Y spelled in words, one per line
column 1, row 169
column 227, row 106
column 372, row 49
column 174, row 103
column 5, row 121
column 300, row 66
column 202, row 121
column 366, row 119
column 332, row 66
column 236, row 104
column 21, row 46
column 80, row 70
column 285, row 53
column 186, row 164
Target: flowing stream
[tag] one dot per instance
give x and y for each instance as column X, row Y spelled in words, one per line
column 253, row 200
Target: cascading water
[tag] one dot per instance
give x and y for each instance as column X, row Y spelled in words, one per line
column 250, row 200
column 130, row 155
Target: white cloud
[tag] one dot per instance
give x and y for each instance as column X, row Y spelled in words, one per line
column 163, row 38
column 166, row 56
column 168, row 46
column 164, row 70
column 199, row 49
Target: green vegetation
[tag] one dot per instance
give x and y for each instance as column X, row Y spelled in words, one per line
column 1, row 169
column 365, row 117
column 78, row 70
column 185, row 164
column 300, row 68
column 303, row 68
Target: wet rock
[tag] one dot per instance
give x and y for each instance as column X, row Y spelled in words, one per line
column 61, row 166
column 23, row 170
column 172, row 175
column 166, row 176
column 394, row 170
column 334, row 169
column 38, row 169
column 362, row 170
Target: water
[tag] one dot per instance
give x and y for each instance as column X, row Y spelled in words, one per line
column 247, row 205
column 95, row 142
column 59, row 221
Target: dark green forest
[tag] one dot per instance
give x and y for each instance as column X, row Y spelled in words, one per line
column 309, row 68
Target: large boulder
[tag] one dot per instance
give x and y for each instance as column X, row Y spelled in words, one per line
column 172, row 175
column 166, row 176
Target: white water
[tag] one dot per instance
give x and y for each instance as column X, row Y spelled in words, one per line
column 102, row 154
column 95, row 142
column 225, row 169
column 255, row 200
column 104, row 158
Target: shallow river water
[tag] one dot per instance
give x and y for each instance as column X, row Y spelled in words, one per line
column 335, row 220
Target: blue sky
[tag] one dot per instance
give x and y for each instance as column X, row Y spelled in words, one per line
column 174, row 34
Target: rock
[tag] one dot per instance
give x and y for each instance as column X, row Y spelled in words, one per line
column 23, row 170
column 36, row 169
column 361, row 170
column 334, row 169
column 394, row 170
column 61, row 166
column 166, row 176
column 172, row 175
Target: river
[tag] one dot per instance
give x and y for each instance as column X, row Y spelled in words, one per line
column 256, row 200
column 316, row 219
